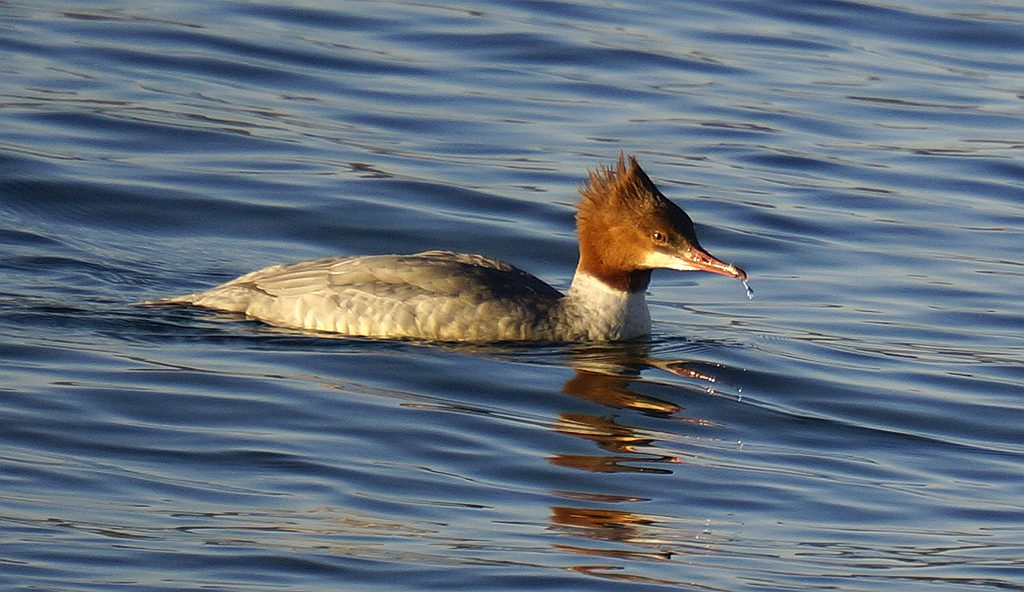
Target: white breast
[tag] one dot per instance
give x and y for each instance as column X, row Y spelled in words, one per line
column 604, row 313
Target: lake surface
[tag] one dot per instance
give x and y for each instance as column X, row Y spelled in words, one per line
column 858, row 425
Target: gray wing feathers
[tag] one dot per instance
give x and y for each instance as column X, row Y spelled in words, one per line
column 437, row 273
column 439, row 294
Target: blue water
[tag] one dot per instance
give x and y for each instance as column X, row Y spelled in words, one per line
column 857, row 426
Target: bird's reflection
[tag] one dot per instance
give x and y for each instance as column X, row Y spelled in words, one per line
column 609, row 376
column 612, row 390
column 605, row 376
column 621, row 440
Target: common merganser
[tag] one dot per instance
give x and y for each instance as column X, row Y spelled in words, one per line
column 625, row 226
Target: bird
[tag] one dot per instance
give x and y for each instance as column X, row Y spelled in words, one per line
column 625, row 228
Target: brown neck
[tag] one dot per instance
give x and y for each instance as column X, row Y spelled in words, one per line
column 626, row 281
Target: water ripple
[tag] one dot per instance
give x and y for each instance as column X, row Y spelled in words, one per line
column 854, row 426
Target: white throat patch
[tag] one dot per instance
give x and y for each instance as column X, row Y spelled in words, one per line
column 608, row 313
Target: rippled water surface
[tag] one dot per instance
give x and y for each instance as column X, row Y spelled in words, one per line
column 857, row 426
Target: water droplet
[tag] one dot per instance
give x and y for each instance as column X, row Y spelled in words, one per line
column 750, row 292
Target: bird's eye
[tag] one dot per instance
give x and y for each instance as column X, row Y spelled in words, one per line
column 658, row 236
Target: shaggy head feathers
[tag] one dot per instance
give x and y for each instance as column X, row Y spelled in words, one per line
column 624, row 187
